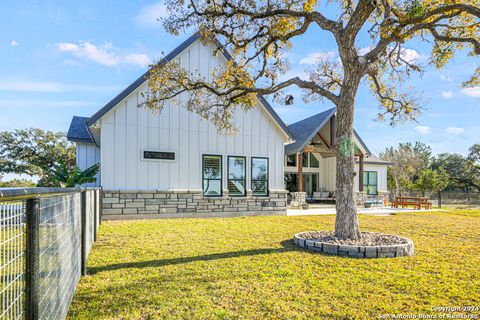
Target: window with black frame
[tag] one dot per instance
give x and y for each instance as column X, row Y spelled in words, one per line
column 212, row 175
column 259, row 176
column 237, row 167
column 370, row 182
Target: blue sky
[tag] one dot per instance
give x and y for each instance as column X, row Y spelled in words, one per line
column 65, row 58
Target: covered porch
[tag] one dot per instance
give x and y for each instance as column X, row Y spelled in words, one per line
column 310, row 162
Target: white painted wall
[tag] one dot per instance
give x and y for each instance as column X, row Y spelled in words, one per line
column 127, row 130
column 88, row 154
column 381, row 175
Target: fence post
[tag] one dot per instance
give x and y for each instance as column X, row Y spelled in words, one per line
column 100, row 207
column 32, row 299
column 95, row 212
column 440, row 199
column 83, row 246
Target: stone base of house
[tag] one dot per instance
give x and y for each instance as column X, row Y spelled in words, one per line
column 145, row 204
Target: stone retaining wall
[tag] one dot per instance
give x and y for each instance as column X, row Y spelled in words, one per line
column 130, row 204
column 392, row 251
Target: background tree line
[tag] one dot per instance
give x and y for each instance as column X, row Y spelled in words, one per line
column 416, row 169
column 44, row 154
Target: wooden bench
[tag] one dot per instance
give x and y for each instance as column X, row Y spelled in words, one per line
column 417, row 202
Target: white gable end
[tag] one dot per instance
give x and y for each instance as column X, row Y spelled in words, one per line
column 127, row 130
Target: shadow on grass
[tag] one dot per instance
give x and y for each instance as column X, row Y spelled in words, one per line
column 287, row 246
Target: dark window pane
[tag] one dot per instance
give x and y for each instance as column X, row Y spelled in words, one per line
column 372, row 178
column 259, row 169
column 259, row 188
column 212, row 167
column 212, row 187
column 305, row 159
column 212, row 175
column 313, row 161
column 314, row 182
column 292, row 160
column 236, row 187
column 236, row 168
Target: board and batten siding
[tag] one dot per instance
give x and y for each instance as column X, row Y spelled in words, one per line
column 88, row 154
column 127, row 130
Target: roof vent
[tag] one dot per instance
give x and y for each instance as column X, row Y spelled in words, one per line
column 289, row 100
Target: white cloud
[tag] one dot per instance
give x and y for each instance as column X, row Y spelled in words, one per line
column 472, row 92
column 149, row 15
column 14, row 43
column 363, row 51
column 410, row 55
column 48, row 86
column 455, row 130
column 447, row 94
column 423, row 129
column 314, row 57
column 446, row 77
column 46, row 104
column 105, row 54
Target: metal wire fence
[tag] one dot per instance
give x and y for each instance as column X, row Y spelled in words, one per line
column 12, row 259
column 445, row 198
column 46, row 235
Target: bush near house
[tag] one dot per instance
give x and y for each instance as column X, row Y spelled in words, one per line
column 248, row 268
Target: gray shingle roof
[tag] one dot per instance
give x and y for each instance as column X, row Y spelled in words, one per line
column 304, row 130
column 78, row 130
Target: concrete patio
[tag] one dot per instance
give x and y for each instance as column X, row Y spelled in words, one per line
column 322, row 209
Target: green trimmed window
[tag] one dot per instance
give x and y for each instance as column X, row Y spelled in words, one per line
column 370, row 182
column 237, row 173
column 212, row 175
column 259, row 176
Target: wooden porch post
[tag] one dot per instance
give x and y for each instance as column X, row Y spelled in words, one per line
column 299, row 172
column 360, row 174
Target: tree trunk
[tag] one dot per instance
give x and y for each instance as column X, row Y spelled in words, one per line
column 346, row 222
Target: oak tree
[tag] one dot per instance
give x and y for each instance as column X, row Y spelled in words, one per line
column 258, row 34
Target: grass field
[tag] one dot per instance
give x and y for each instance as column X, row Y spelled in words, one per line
column 247, row 268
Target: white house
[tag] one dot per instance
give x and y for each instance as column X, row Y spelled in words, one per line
column 175, row 163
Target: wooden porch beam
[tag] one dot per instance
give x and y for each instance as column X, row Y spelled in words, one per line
column 332, row 131
column 324, row 140
column 299, row 172
column 360, row 174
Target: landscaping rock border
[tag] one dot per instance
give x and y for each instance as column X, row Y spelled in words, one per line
column 378, row 251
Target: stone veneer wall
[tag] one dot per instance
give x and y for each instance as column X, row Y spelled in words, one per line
column 131, row 204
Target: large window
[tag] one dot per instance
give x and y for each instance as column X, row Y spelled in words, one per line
column 305, row 159
column 212, row 175
column 370, row 182
column 314, row 161
column 260, row 176
column 236, row 176
column 292, row 160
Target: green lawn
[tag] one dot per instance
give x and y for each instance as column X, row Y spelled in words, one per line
column 247, row 268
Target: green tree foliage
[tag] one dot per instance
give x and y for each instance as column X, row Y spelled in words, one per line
column 432, row 180
column 409, row 161
column 463, row 172
column 71, row 177
column 34, row 152
column 17, row 183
